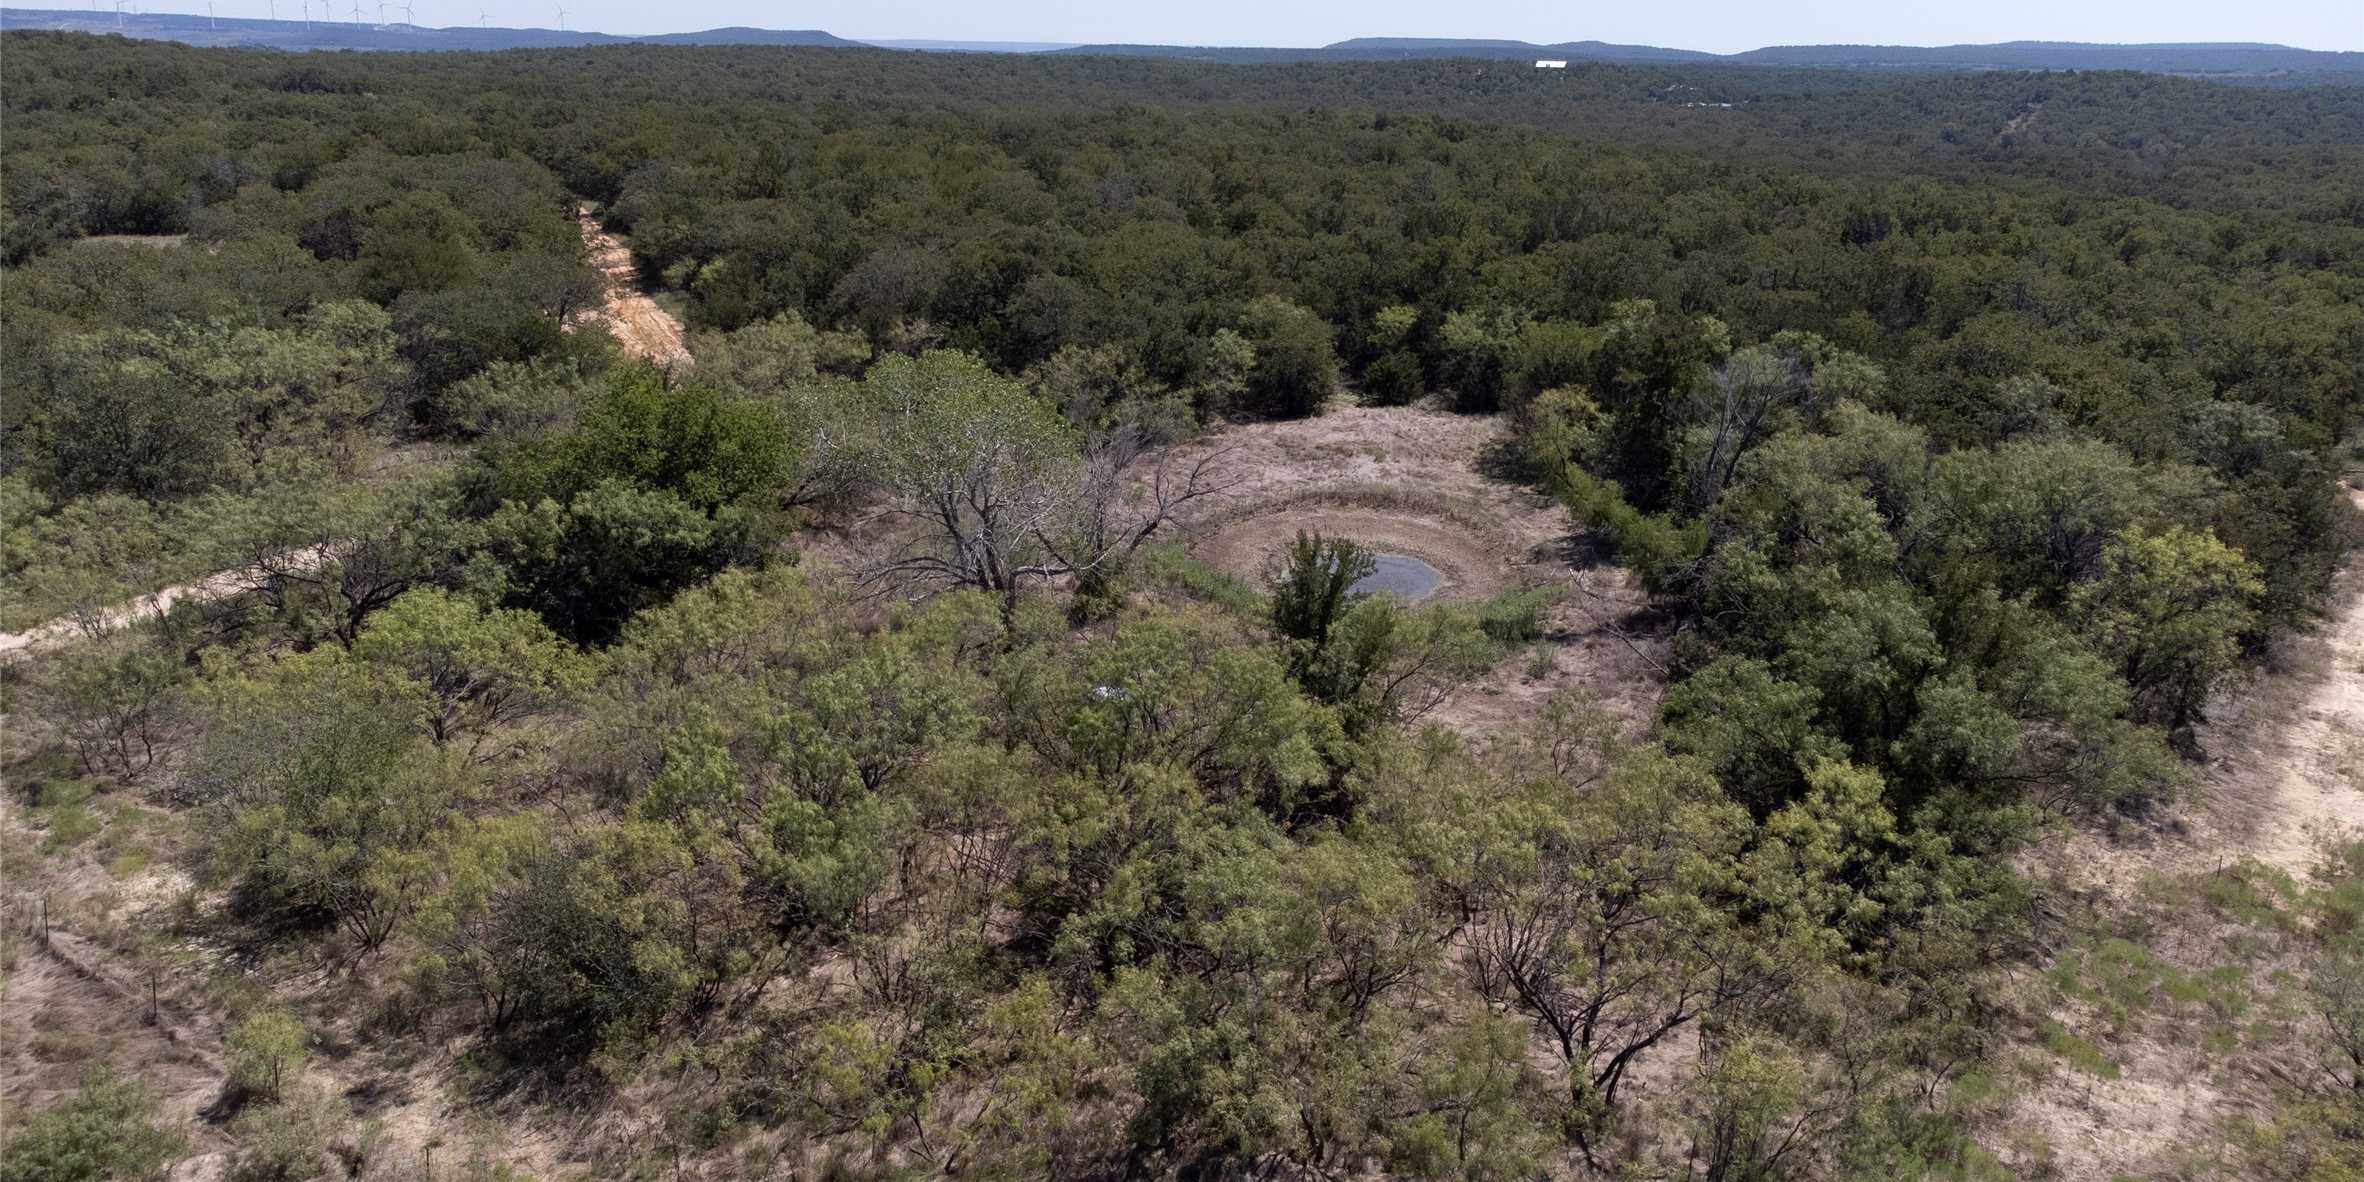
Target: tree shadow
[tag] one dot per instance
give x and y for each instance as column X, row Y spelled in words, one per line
column 1504, row 460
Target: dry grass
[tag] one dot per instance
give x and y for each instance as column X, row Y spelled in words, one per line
column 2285, row 777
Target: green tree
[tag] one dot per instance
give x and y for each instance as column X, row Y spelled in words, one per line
column 982, row 469
column 765, row 359
column 1396, row 376
column 2171, row 609
column 1592, row 887
column 1483, row 1112
column 1296, row 369
column 107, row 1130
column 286, row 1141
column 481, row 669
column 1312, row 587
column 991, row 485
column 266, row 1053
column 418, row 242
column 1387, row 663
column 1477, row 348
column 1754, row 1111
column 2335, row 987
column 102, row 418
column 113, row 697
column 324, row 556
column 1646, row 370
column 320, row 791
column 656, row 488
column 709, row 449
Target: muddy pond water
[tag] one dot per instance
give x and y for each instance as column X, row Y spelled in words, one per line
column 1400, row 574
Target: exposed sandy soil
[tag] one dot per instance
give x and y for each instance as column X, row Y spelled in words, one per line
column 1415, row 482
column 73, row 999
column 2286, row 775
column 68, row 628
column 1424, row 459
column 2285, row 771
column 63, row 1007
column 637, row 322
column 2302, row 782
column 1602, row 641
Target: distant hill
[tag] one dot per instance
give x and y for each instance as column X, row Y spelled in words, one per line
column 742, row 35
column 934, row 46
column 368, row 34
column 1590, row 51
column 1429, row 43
column 2193, row 58
column 1382, row 49
column 2230, row 59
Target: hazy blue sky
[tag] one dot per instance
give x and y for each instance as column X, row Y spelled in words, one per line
column 1720, row 25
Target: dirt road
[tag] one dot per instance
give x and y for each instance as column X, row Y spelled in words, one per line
column 2287, row 763
column 2287, row 774
column 67, row 628
column 2304, row 781
column 644, row 328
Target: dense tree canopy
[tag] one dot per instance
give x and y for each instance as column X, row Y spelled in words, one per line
column 823, row 736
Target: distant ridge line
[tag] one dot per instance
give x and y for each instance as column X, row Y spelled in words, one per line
column 248, row 32
column 2230, row 59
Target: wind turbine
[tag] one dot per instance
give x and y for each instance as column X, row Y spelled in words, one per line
column 118, row 14
column 274, row 9
column 356, row 12
column 381, row 14
column 562, row 18
column 482, row 18
column 409, row 18
column 209, row 14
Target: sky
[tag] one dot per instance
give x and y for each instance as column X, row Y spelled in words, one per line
column 1721, row 26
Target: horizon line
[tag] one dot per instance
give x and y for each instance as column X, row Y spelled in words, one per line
column 1051, row 43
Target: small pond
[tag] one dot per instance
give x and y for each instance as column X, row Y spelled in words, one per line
column 1400, row 574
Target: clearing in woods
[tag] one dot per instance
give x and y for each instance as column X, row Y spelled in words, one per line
column 1416, row 483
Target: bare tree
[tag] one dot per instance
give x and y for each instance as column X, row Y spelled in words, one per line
column 344, row 556
column 995, row 487
column 1110, row 522
column 1744, row 396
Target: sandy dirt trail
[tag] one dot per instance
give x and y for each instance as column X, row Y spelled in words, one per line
column 2305, row 782
column 637, row 322
column 67, row 628
column 644, row 328
column 2286, row 772
column 2287, row 775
